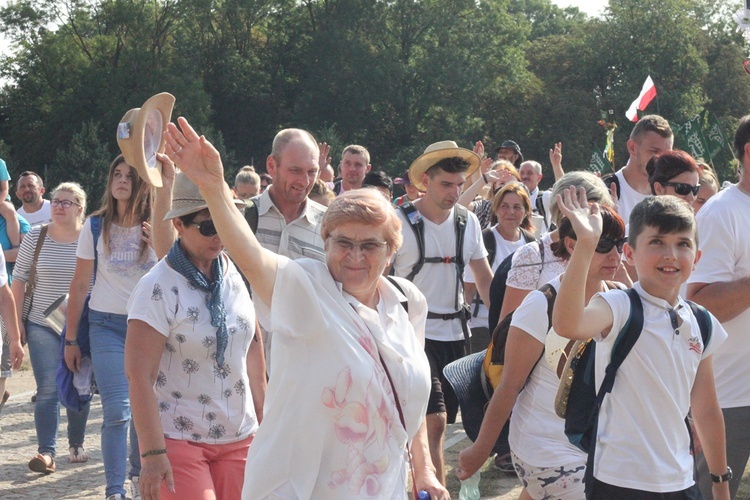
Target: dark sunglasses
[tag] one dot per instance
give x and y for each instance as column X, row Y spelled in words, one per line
column 682, row 188
column 206, row 228
column 606, row 245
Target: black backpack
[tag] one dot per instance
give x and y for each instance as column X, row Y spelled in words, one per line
column 580, row 406
column 416, row 222
column 490, row 243
column 497, row 287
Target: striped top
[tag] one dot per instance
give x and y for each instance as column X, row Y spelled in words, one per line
column 54, row 270
column 300, row 238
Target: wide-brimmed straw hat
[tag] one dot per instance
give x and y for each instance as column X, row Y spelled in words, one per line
column 186, row 198
column 440, row 151
column 140, row 135
column 465, row 376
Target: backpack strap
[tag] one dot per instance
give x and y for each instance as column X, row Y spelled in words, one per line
column 96, row 229
column 404, row 304
column 704, row 321
column 490, row 244
column 540, row 244
column 417, row 225
column 612, row 178
column 251, row 213
column 626, row 339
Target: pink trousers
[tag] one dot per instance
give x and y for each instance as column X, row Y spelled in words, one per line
column 206, row 471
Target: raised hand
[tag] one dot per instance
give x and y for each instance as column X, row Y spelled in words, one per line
column 323, row 159
column 485, row 165
column 555, row 155
column 194, row 155
column 479, row 149
column 586, row 219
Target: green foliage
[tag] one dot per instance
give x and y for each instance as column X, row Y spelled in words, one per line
column 85, row 160
column 393, row 75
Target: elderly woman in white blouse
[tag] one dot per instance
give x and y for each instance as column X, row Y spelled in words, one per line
column 349, row 397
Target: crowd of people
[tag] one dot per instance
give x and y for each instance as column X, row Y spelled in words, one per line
column 286, row 337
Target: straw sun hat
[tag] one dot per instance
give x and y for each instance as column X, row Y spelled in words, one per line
column 440, row 151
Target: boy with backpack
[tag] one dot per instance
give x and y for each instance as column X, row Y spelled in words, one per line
column 642, row 447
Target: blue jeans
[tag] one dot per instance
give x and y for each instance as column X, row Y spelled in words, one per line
column 44, row 350
column 107, row 336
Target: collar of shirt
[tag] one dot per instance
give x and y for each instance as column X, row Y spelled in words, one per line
column 265, row 203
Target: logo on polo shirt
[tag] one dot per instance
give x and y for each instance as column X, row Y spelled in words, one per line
column 694, row 344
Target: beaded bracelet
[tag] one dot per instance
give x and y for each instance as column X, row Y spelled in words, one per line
column 153, row 452
column 71, row 342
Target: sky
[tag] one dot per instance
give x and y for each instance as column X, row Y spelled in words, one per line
column 590, row 7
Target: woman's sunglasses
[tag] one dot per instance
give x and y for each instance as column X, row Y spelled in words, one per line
column 206, row 228
column 606, row 245
column 682, row 188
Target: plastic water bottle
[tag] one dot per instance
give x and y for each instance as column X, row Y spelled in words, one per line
column 470, row 488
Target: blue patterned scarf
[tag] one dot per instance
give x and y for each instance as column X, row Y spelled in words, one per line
column 180, row 263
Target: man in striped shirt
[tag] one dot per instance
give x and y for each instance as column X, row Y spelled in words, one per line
column 288, row 221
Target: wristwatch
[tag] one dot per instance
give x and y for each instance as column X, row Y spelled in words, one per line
column 723, row 478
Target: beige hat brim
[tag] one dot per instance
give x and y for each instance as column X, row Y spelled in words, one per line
column 140, row 135
column 424, row 162
column 187, row 199
column 189, row 206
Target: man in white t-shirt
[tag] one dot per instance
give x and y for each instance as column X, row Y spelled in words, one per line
column 651, row 136
column 721, row 282
column 441, row 173
column 355, row 163
column 35, row 209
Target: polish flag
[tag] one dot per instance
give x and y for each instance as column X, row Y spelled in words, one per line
column 648, row 92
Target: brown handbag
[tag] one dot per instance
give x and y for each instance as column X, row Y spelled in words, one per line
column 28, row 296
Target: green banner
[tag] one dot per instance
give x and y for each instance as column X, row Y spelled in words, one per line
column 599, row 163
column 713, row 135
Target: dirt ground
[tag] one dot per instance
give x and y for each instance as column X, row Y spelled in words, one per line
column 17, row 444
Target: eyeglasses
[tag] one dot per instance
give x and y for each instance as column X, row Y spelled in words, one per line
column 367, row 247
column 206, row 227
column 682, row 188
column 66, row 204
column 606, row 245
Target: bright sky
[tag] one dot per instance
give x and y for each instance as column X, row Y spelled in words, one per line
column 590, row 7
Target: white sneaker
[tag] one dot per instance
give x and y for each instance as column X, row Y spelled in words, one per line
column 116, row 496
column 135, row 493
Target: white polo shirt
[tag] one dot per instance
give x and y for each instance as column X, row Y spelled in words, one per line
column 643, row 442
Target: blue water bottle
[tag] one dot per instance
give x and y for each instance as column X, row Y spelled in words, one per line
column 423, row 495
column 470, row 488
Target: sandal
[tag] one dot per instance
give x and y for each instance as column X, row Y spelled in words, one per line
column 78, row 455
column 44, row 464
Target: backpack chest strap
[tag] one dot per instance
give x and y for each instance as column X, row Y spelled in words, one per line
column 440, row 260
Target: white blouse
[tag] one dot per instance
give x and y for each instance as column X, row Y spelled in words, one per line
column 331, row 428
